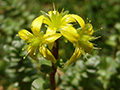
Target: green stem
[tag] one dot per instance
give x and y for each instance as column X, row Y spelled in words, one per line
column 52, row 74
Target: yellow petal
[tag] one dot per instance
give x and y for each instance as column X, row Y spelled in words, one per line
column 46, row 21
column 36, row 25
column 25, row 35
column 70, row 34
column 47, row 54
column 67, row 19
column 51, row 30
column 79, row 20
column 50, row 45
column 32, row 52
column 75, row 56
column 51, row 38
column 87, row 46
column 88, row 30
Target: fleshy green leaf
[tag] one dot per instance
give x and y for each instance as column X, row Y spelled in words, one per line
column 40, row 84
column 46, row 68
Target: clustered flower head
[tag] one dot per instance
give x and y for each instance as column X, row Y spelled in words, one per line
column 58, row 24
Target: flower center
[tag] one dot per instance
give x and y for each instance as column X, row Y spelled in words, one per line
column 36, row 41
column 56, row 19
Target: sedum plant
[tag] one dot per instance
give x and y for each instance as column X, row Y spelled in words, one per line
column 58, row 25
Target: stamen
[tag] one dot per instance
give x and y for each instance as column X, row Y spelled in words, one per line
column 98, row 29
column 89, row 21
column 26, row 54
column 85, row 54
column 34, row 53
column 25, row 47
column 24, row 57
column 64, row 13
column 97, row 48
column 87, row 18
column 94, row 44
column 44, row 13
column 62, row 10
column 93, row 38
column 17, row 35
column 54, row 6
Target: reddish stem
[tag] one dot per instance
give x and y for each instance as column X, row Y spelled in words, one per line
column 52, row 74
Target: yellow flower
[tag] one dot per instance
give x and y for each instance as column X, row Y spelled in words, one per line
column 57, row 22
column 81, row 38
column 38, row 39
column 62, row 22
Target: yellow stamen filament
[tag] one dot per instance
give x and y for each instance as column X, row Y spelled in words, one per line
column 98, row 29
column 26, row 54
column 97, row 48
column 25, row 47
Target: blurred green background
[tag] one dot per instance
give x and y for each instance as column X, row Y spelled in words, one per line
column 100, row 72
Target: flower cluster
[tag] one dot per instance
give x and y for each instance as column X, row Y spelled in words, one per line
column 58, row 24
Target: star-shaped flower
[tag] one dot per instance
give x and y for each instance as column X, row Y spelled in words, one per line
column 81, row 38
column 38, row 39
column 57, row 22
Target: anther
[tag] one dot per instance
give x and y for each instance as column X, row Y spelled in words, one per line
column 89, row 21
column 99, row 36
column 17, row 35
column 26, row 54
column 24, row 57
column 87, row 18
column 23, row 49
column 34, row 53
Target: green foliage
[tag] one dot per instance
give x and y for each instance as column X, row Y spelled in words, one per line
column 40, row 84
column 83, row 75
column 13, row 17
column 19, row 70
column 100, row 72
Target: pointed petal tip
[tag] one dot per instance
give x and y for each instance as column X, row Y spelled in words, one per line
column 75, row 56
column 36, row 24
